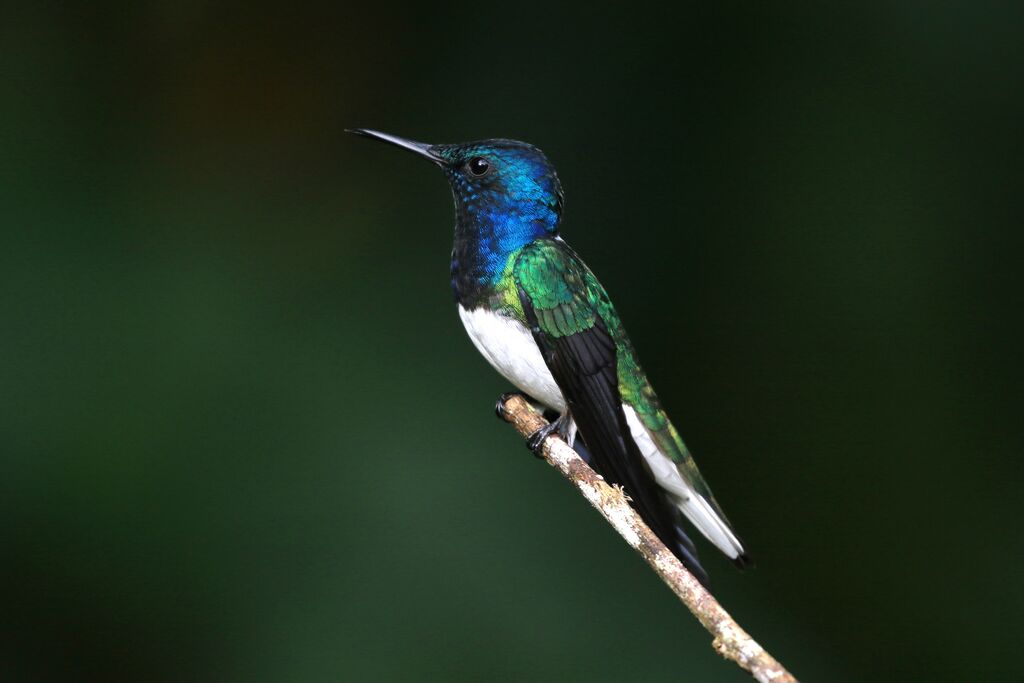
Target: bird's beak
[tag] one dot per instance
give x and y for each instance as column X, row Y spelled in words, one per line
column 420, row 148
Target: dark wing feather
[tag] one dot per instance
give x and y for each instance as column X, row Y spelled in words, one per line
column 581, row 355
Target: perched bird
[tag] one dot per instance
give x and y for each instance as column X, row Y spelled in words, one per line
column 541, row 318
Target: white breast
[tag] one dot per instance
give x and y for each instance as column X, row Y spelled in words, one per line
column 508, row 345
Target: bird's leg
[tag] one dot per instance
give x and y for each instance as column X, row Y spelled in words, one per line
column 536, row 440
column 556, row 423
column 499, row 407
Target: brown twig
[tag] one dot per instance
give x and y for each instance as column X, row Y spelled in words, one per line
column 730, row 640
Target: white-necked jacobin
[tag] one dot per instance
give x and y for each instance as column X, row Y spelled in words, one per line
column 541, row 318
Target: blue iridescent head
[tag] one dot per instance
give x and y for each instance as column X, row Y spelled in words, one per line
column 501, row 187
column 506, row 195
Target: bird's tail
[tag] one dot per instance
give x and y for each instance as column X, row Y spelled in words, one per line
column 676, row 540
column 680, row 480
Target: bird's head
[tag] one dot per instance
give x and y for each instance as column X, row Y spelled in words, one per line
column 502, row 187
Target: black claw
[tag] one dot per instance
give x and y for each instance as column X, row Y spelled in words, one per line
column 499, row 407
column 535, row 442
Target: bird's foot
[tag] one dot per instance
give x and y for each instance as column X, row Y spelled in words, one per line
column 535, row 442
column 499, row 407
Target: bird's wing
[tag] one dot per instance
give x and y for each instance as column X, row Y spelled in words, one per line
column 670, row 461
column 567, row 311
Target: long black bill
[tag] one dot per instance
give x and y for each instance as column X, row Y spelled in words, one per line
column 420, row 148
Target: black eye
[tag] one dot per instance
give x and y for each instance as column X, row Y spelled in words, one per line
column 478, row 166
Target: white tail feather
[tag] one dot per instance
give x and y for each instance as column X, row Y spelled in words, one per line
column 692, row 504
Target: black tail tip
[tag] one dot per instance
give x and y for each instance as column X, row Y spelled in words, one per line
column 744, row 561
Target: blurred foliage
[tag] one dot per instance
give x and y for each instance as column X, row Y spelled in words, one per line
column 243, row 437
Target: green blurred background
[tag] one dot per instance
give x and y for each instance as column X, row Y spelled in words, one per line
column 244, row 437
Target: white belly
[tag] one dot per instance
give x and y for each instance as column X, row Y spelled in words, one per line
column 508, row 345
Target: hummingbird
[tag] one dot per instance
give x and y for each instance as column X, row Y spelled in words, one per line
column 540, row 317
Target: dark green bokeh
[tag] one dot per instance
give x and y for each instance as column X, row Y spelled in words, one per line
column 244, row 438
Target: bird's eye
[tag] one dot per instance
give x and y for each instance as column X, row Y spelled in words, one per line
column 478, row 166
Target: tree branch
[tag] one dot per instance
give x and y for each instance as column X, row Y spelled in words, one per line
column 730, row 640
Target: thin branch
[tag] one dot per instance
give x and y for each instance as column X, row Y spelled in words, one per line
column 730, row 640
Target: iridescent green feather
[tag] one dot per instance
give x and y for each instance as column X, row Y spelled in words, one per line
column 567, row 298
